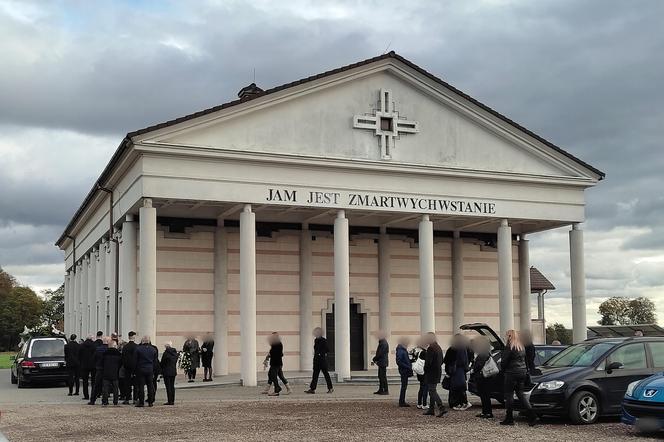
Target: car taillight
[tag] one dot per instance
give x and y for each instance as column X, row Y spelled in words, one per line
column 28, row 364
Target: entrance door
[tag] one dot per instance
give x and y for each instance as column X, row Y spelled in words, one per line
column 356, row 337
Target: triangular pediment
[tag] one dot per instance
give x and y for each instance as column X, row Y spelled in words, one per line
column 383, row 112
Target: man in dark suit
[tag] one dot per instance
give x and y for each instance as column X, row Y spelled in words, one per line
column 129, row 382
column 98, row 380
column 381, row 360
column 111, row 361
column 168, row 364
column 86, row 361
column 432, row 373
column 321, row 350
column 72, row 349
column 144, row 358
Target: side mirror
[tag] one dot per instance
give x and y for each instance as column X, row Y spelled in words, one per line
column 614, row 366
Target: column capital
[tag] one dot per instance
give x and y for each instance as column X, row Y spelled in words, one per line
column 383, row 230
column 305, row 226
column 220, row 221
column 504, row 223
column 247, row 208
column 130, row 218
column 425, row 217
column 341, row 214
column 147, row 202
column 456, row 234
column 576, row 226
column 523, row 237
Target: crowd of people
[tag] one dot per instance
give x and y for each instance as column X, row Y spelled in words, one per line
column 126, row 369
column 107, row 366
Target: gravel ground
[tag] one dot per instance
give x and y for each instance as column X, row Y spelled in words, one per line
column 241, row 414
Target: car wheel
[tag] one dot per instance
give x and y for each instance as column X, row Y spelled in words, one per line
column 20, row 382
column 14, row 380
column 584, row 408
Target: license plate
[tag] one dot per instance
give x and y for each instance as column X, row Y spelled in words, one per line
column 50, row 365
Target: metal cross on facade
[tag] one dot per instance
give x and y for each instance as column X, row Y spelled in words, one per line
column 386, row 123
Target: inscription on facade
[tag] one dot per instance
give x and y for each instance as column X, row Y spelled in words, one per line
column 380, row 201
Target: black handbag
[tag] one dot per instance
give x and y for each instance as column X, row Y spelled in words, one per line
column 446, row 382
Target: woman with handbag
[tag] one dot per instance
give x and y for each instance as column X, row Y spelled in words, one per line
column 417, row 356
column 483, row 378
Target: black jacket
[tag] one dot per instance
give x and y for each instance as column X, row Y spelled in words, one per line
column 144, row 358
column 111, row 360
column 382, row 353
column 513, row 361
column 156, row 367
column 277, row 355
column 128, row 353
column 478, row 365
column 433, row 362
column 169, row 361
column 86, row 354
column 72, row 350
column 321, row 348
column 98, row 356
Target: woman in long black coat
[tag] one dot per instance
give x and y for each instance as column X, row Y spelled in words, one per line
column 207, row 353
column 193, row 349
column 168, row 365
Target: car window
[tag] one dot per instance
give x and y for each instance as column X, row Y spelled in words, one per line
column 631, row 356
column 657, row 352
column 47, row 348
column 580, row 355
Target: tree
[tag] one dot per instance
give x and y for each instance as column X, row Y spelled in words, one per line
column 614, row 311
column 54, row 311
column 618, row 310
column 19, row 307
column 642, row 311
column 558, row 332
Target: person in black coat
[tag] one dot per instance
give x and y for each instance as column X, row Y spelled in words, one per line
column 192, row 348
column 111, row 362
column 529, row 348
column 482, row 352
column 380, row 359
column 321, row 350
column 207, row 353
column 433, row 371
column 169, row 370
column 98, row 365
column 276, row 361
column 513, row 365
column 72, row 350
column 456, row 365
column 86, row 354
column 144, row 359
column 405, row 369
column 156, row 367
column 129, row 383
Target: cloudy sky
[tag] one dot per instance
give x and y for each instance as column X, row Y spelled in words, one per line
column 76, row 76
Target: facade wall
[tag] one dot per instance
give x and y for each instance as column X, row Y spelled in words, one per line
column 185, row 287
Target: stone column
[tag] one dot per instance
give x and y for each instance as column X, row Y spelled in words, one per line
column 341, row 297
column 384, row 291
column 505, row 283
column 76, row 322
column 458, row 306
column 578, row 279
column 110, row 277
column 67, row 321
column 248, row 296
column 128, row 274
column 220, row 358
column 83, row 304
column 306, row 301
column 427, row 304
column 147, row 301
column 524, row 284
column 101, row 283
column 92, row 292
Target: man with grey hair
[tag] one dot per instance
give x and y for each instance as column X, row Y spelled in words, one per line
column 144, row 361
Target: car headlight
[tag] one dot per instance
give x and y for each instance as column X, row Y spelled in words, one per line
column 551, row 385
column 630, row 388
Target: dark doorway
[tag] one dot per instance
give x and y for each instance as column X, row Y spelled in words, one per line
column 356, row 337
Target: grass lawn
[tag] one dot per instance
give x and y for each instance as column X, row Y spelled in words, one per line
column 4, row 358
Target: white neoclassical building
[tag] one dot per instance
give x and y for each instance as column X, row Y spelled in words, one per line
column 372, row 196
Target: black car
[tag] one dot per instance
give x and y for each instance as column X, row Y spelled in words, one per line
column 589, row 379
column 40, row 359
